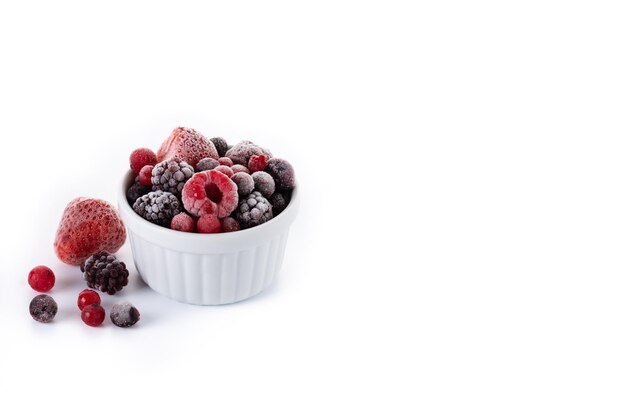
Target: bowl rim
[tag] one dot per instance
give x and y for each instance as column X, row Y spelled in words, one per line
column 286, row 216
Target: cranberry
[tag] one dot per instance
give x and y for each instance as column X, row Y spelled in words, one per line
column 93, row 315
column 87, row 297
column 41, row 278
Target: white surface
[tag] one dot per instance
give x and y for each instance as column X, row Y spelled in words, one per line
column 460, row 246
column 205, row 269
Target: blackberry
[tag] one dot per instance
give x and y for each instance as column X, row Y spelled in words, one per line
column 220, row 145
column 171, row 176
column 279, row 202
column 135, row 191
column 158, row 207
column 43, row 308
column 105, row 273
column 253, row 210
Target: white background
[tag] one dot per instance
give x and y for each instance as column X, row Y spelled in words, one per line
column 460, row 248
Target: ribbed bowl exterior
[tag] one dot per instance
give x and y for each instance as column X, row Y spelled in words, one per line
column 207, row 269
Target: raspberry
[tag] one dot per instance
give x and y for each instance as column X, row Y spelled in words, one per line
column 87, row 297
column 210, row 192
column 206, row 164
column 41, row 278
column 282, row 172
column 230, row 225
column 124, row 314
column 158, row 207
column 88, row 225
column 224, row 170
column 145, row 176
column 241, row 152
column 220, row 145
column 93, row 315
column 257, row 163
column 263, row 183
column 279, row 202
column 135, row 191
column 186, row 145
column 171, row 176
column 141, row 157
column 239, row 168
column 43, row 308
column 105, row 273
column 209, row 223
column 225, row 161
column 183, row 222
column 245, row 183
column 253, row 210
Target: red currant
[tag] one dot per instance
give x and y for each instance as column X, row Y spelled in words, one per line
column 87, row 297
column 145, row 175
column 93, row 315
column 41, row 278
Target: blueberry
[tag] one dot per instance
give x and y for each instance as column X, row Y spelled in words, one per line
column 220, row 145
column 43, row 308
column 282, row 172
column 124, row 314
column 206, row 164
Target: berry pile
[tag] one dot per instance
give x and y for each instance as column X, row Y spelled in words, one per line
column 195, row 184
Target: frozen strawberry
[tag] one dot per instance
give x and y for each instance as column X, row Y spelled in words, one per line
column 224, row 170
column 88, row 225
column 141, row 157
column 188, row 145
column 209, row 223
column 210, row 192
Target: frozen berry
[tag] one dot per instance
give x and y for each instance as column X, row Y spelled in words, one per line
column 253, row 210
column 282, row 172
column 224, row 170
column 239, row 168
column 209, row 223
column 187, row 145
column 206, row 164
column 241, row 152
column 93, row 315
column 183, row 222
column 230, row 225
column 88, row 225
column 135, row 191
column 210, row 192
column 145, row 176
column 124, row 314
column 257, row 163
column 41, row 278
column 245, row 183
column 171, row 176
column 158, row 207
column 220, row 145
column 141, row 157
column 225, row 161
column 43, row 308
column 105, row 273
column 87, row 297
column 279, row 202
column 263, row 183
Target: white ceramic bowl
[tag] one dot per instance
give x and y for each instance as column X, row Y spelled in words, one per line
column 207, row 269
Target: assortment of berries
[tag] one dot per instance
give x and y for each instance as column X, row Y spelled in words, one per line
column 207, row 186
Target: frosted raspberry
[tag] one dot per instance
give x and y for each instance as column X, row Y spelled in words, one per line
column 209, row 223
column 230, row 225
column 282, row 172
column 239, row 168
column 257, row 163
column 145, row 176
column 187, row 145
column 264, row 183
column 245, row 183
column 210, row 192
column 183, row 222
column 241, row 152
column 206, row 164
column 141, row 157
column 88, row 225
column 225, row 161
column 224, row 170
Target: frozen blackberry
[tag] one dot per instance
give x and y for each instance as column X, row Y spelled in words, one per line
column 279, row 202
column 124, row 314
column 263, row 183
column 171, row 176
column 104, row 272
column 206, row 164
column 158, row 207
column 282, row 172
column 135, row 191
column 43, row 308
column 253, row 210
column 220, row 145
